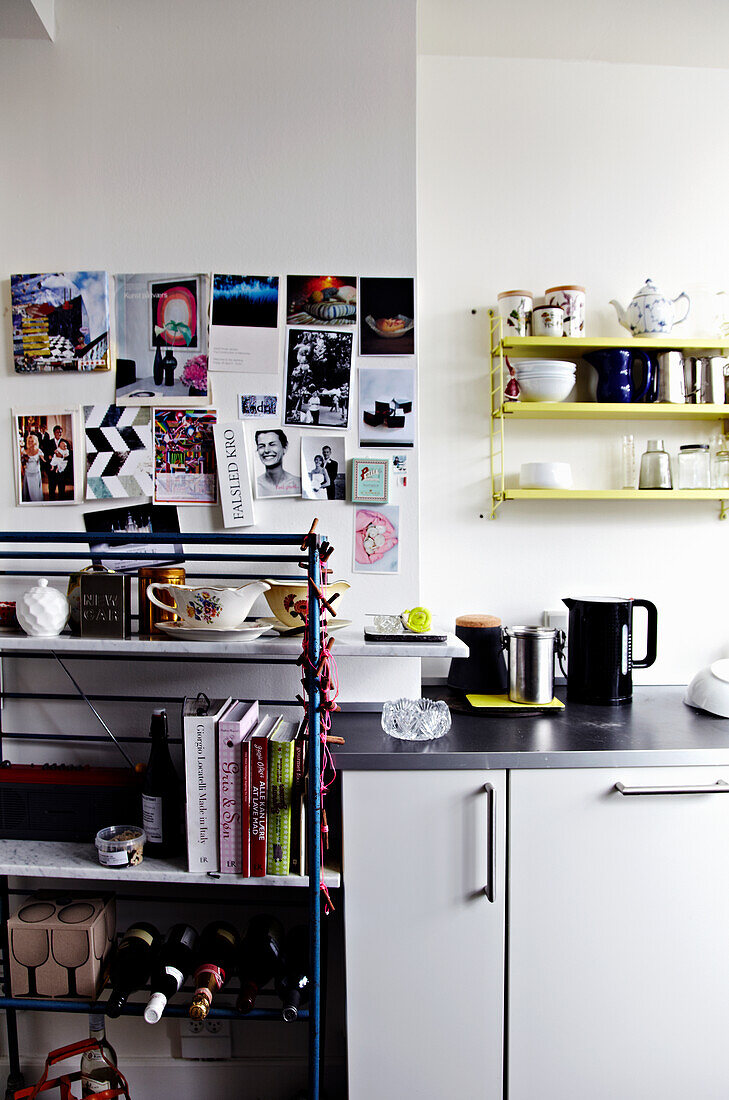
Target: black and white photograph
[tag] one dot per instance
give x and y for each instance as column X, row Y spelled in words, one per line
column 318, row 378
column 323, row 467
column 276, row 463
column 386, row 407
column 137, row 519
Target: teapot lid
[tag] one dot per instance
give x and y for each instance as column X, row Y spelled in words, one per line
column 648, row 288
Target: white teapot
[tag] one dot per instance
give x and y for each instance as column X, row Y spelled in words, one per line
column 650, row 313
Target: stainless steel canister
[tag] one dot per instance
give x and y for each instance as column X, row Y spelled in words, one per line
column 531, row 652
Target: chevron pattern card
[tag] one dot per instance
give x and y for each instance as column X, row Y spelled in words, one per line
column 118, row 452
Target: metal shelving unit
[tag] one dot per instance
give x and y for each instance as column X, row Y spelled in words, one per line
column 502, row 412
column 38, row 859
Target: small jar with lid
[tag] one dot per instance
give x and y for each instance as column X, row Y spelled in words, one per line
column 694, row 466
column 721, row 470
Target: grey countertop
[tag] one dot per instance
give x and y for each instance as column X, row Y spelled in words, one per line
column 657, row 728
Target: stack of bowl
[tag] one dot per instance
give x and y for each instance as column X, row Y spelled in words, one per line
column 544, row 379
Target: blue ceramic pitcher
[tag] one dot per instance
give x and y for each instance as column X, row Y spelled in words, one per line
column 615, row 380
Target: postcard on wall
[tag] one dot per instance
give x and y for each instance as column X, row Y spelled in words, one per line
column 161, row 339
column 184, row 456
column 256, row 406
column 386, row 406
column 118, row 451
column 146, row 519
column 323, row 467
column 60, row 321
column 370, row 480
column 400, row 467
column 244, row 333
column 329, row 300
column 234, row 481
column 318, row 377
column 277, row 463
column 47, row 456
column 387, row 307
column 377, row 539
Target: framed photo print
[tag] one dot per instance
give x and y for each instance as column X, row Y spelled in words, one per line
column 377, row 539
column 318, row 376
column 370, row 480
column 184, row 456
column 47, row 457
column 387, row 307
column 323, row 474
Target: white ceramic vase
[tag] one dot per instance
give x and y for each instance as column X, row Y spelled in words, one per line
column 42, row 611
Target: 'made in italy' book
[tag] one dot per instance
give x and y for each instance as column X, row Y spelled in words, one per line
column 200, row 744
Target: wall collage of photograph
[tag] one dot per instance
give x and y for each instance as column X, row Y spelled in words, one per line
column 292, row 343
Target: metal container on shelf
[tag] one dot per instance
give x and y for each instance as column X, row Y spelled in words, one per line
column 148, row 613
column 531, row 651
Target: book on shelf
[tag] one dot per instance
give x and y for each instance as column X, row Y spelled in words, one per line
column 281, row 746
column 258, row 786
column 297, row 862
column 200, row 746
column 234, row 786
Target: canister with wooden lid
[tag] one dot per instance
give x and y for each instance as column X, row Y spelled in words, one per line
column 483, row 672
column 148, row 613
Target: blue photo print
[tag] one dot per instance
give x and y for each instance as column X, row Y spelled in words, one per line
column 245, row 301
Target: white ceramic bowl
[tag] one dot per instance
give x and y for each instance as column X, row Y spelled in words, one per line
column 545, row 475
column 709, row 689
column 545, row 388
column 542, row 366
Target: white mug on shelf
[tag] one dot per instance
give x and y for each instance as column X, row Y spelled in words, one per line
column 547, row 320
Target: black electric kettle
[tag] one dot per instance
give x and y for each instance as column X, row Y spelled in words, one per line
column 600, row 649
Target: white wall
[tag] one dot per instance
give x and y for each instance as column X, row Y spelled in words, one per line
column 534, row 173
column 232, row 136
column 246, row 137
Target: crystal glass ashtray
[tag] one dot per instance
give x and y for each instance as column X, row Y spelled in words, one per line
column 416, row 719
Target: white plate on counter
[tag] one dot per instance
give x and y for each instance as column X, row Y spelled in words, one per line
column 247, row 633
column 282, row 628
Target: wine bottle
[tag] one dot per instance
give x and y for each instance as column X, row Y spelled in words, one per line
column 217, row 951
column 259, row 959
column 292, row 983
column 161, row 794
column 174, row 963
column 131, row 964
column 96, row 1074
column 158, row 371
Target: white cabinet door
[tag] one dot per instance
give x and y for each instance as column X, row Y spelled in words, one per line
column 619, row 936
column 424, row 941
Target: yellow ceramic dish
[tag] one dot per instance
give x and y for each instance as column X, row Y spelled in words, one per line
column 288, row 600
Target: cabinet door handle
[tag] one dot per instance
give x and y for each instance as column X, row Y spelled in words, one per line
column 720, row 787
column 490, row 858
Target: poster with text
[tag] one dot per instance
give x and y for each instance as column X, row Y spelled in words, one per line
column 244, row 335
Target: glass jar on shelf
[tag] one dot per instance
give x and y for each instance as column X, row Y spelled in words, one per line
column 694, row 466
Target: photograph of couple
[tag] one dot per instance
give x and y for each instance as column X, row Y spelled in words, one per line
column 45, row 454
column 319, row 366
column 323, row 468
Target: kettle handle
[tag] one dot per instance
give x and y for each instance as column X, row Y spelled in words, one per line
column 649, row 365
column 688, row 307
column 652, row 634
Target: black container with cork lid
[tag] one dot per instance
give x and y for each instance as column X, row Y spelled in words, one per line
column 483, row 672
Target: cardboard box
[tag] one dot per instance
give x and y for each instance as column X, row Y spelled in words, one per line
column 59, row 944
column 105, row 609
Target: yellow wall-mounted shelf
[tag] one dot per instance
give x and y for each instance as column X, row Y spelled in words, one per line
column 615, row 494
column 524, row 344
column 503, row 412
column 598, row 410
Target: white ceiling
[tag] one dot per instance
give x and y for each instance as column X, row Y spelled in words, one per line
column 694, row 33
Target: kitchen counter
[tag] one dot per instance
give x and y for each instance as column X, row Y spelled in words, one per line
column 657, row 728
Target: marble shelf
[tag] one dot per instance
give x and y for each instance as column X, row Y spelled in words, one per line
column 348, row 642
column 67, row 860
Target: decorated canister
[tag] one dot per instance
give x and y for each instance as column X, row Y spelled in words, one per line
column 148, row 613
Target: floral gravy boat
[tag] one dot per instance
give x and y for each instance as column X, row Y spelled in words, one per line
column 206, row 606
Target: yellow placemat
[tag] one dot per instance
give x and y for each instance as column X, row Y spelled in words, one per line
column 505, row 701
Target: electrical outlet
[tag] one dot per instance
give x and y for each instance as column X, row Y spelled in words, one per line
column 557, row 619
column 207, row 1040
